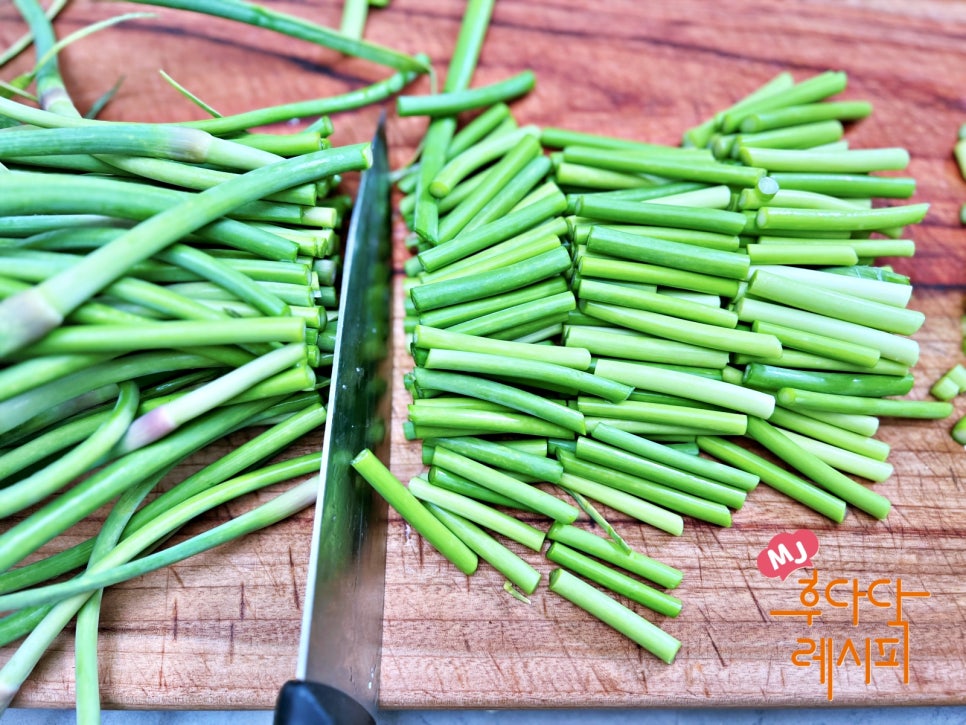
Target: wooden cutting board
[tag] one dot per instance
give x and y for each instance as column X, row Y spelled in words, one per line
column 220, row 631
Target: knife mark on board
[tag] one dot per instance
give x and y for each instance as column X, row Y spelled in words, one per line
column 295, row 583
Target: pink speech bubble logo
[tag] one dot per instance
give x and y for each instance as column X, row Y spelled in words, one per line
column 787, row 552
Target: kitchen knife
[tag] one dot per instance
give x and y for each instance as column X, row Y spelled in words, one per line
column 337, row 676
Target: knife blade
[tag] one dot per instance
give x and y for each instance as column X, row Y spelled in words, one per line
column 337, row 676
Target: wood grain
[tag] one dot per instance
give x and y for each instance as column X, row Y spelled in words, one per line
column 220, row 631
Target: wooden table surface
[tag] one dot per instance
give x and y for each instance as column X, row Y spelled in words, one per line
column 220, row 631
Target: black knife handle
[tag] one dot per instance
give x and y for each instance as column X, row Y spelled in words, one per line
column 312, row 703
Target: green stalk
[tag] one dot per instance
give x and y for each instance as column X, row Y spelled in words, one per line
column 805, row 113
column 684, row 415
column 476, row 19
column 161, row 421
column 505, row 457
column 479, row 128
column 802, row 136
column 624, row 296
column 759, row 195
column 774, row 476
column 20, row 665
column 460, row 422
column 23, row 407
column 534, row 372
column 19, row 377
column 518, row 192
column 614, row 580
column 86, row 679
column 458, row 484
column 672, row 458
column 850, row 352
column 487, row 235
column 461, row 166
column 84, row 498
column 409, row 507
column 48, row 443
column 153, row 141
column 485, row 284
column 623, row 271
column 958, row 431
column 885, row 218
column 21, row 623
column 168, row 334
column 588, row 508
column 452, row 103
column 199, row 178
column 561, row 138
column 771, row 377
column 275, row 510
column 950, row 384
column 655, row 189
column 787, row 291
column 512, row 397
column 685, row 331
column 484, row 515
column 425, row 219
column 432, row 338
column 881, row 274
column 864, row 425
column 802, row 253
column 665, row 165
column 663, row 496
column 126, row 200
column 862, row 186
column 901, row 349
column 624, row 502
column 605, row 455
column 854, row 161
column 308, row 415
column 798, row 422
column 354, row 14
column 372, row 94
column 62, row 470
column 693, row 387
column 870, row 248
column 32, row 314
column 498, row 176
column 486, row 547
column 202, row 292
column 791, row 198
column 711, row 240
column 50, row 86
column 27, row 224
column 626, row 212
column 614, row 614
column 774, row 88
column 616, row 343
column 817, row 470
column 828, row 402
column 24, row 41
column 298, row 28
column 534, row 498
column 307, row 418
column 629, row 560
column 808, row 361
column 456, row 401
column 811, row 90
column 540, row 330
column 843, row 460
column 583, row 177
column 469, row 42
